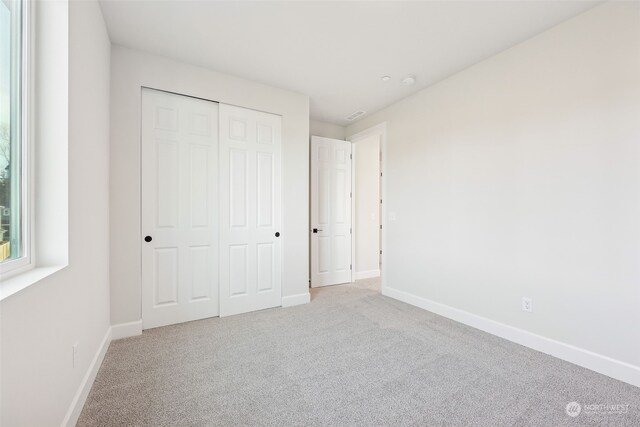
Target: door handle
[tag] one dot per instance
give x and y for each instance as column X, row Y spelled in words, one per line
column 277, row 234
column 148, row 239
column 315, row 230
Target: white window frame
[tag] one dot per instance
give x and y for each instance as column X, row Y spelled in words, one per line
column 25, row 262
column 47, row 145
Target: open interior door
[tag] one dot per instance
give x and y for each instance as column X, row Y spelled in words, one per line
column 330, row 211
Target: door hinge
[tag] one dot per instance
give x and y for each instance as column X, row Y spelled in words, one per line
column 350, row 267
column 380, row 226
column 350, row 232
column 380, row 201
column 351, row 156
column 350, row 194
column 380, row 254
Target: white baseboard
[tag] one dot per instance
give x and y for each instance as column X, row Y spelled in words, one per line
column 126, row 330
column 587, row 359
column 359, row 275
column 296, row 299
column 75, row 409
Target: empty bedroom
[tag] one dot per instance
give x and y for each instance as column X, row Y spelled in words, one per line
column 319, row 213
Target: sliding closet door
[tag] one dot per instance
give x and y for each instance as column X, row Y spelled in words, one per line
column 179, row 209
column 250, row 215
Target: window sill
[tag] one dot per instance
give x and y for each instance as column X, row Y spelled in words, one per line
column 23, row 280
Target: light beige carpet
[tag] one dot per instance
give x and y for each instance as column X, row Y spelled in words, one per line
column 372, row 284
column 350, row 357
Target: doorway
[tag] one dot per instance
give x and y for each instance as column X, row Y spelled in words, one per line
column 369, row 148
column 347, row 178
column 367, row 202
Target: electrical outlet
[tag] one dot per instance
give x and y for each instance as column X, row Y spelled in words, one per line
column 75, row 354
column 527, row 304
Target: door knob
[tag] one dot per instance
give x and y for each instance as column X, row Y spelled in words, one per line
column 148, row 239
column 277, row 234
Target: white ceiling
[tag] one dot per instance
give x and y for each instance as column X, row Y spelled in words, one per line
column 334, row 51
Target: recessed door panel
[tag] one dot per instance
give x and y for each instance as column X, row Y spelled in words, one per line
column 200, row 124
column 341, row 199
column 339, row 253
column 199, row 181
column 265, row 189
column 265, row 267
column 201, row 285
column 166, row 118
column 324, row 254
column 264, row 134
column 167, row 183
column 323, row 154
column 238, row 266
column 165, row 279
column 238, row 188
column 324, row 192
column 237, row 129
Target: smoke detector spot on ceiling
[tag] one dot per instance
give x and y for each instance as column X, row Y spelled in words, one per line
column 409, row 80
column 351, row 117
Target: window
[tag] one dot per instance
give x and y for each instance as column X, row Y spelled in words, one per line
column 13, row 212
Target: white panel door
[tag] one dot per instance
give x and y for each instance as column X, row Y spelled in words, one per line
column 330, row 211
column 179, row 209
column 250, row 218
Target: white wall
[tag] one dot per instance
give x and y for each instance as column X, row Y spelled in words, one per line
column 40, row 324
column 366, row 199
column 327, row 130
column 133, row 69
column 520, row 177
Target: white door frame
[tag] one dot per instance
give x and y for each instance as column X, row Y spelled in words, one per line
column 381, row 131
